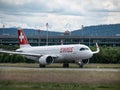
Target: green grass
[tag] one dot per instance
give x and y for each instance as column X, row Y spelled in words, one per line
column 41, row 79
column 66, row 76
column 8, row 85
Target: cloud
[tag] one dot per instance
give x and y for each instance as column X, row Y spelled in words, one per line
column 58, row 13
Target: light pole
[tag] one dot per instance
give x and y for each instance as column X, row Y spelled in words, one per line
column 3, row 29
column 47, row 34
column 39, row 37
column 82, row 29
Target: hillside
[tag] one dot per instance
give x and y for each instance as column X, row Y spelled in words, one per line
column 99, row 30
column 28, row 32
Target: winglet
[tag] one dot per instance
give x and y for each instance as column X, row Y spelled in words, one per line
column 98, row 50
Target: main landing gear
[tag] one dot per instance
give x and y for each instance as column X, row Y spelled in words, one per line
column 42, row 66
column 65, row 65
column 80, row 64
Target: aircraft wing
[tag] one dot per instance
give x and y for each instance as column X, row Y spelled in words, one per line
column 27, row 54
column 21, row 53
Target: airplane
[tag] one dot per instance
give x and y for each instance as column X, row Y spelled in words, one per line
column 52, row 54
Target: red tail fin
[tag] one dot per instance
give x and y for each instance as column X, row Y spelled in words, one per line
column 22, row 38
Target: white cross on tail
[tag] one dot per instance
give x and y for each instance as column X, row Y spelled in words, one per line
column 21, row 37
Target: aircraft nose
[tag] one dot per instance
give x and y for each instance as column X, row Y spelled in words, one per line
column 87, row 55
column 90, row 54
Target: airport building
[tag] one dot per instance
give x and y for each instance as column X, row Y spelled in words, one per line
column 62, row 39
column 104, row 35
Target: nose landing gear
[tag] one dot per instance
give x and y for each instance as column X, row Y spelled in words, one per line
column 80, row 64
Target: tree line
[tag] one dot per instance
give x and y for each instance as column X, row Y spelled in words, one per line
column 12, row 58
column 106, row 55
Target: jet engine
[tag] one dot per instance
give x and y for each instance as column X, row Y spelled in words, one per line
column 46, row 59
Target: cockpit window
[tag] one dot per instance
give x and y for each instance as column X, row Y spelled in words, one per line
column 82, row 49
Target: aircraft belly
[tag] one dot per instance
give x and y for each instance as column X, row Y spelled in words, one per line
column 63, row 58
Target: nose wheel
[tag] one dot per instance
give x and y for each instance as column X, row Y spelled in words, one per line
column 80, row 66
column 80, row 63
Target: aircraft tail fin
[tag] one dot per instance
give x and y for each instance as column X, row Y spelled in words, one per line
column 22, row 39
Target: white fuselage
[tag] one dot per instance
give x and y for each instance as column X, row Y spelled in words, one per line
column 63, row 52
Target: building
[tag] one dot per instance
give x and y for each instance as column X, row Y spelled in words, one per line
column 66, row 39
column 105, row 35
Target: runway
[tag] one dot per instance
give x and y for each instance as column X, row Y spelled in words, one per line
column 60, row 69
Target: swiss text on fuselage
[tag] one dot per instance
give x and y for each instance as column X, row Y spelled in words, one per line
column 68, row 49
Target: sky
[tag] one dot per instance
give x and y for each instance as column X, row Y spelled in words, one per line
column 61, row 15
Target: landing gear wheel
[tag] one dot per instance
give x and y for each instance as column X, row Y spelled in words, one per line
column 65, row 65
column 81, row 64
column 42, row 66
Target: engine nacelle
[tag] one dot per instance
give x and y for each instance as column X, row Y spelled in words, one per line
column 46, row 59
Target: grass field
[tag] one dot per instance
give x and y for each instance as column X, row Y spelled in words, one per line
column 8, row 85
column 37, row 79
